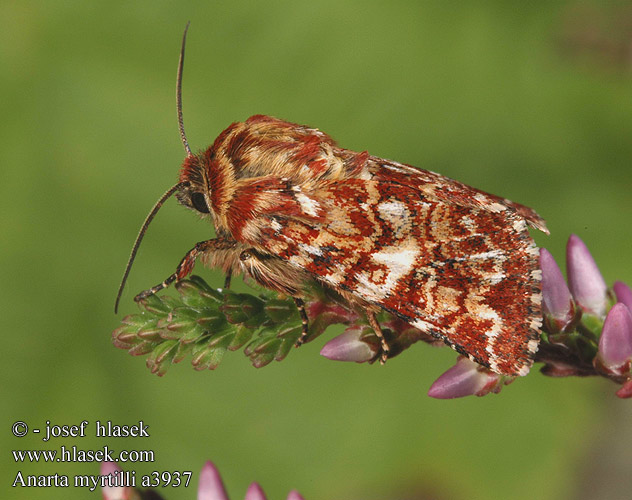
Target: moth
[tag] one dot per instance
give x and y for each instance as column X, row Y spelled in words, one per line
column 290, row 207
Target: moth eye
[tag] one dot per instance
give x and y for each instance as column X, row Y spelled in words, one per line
column 199, row 203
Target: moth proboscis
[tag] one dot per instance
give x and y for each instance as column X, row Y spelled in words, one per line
column 290, row 208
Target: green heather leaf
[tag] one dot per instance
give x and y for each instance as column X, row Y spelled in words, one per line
column 163, row 352
column 242, row 335
column 209, row 318
column 157, row 368
column 193, row 334
column 180, row 326
column 261, row 359
column 284, row 349
column 184, row 313
column 149, row 334
column 222, row 335
column 281, row 310
column 125, row 335
column 290, row 333
column 204, row 324
column 159, row 306
column 204, row 288
column 215, row 359
column 269, row 343
column 138, row 320
column 123, row 345
column 142, row 348
column 208, row 358
column 242, row 308
column 182, row 351
column 190, row 295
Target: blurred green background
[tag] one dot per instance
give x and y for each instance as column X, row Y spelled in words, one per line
column 530, row 100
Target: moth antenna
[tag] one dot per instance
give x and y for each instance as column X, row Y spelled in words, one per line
column 139, row 238
column 183, row 135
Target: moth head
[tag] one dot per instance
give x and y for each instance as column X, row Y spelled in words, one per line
column 194, row 192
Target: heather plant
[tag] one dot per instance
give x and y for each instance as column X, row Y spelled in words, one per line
column 587, row 329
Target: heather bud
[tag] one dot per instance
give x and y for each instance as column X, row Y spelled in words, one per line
column 110, row 490
column 255, row 492
column 615, row 343
column 210, row 486
column 585, row 281
column 349, row 347
column 466, row 378
column 557, row 303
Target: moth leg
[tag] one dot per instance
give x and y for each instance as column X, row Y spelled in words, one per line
column 305, row 322
column 378, row 331
column 187, row 263
column 275, row 274
column 229, row 275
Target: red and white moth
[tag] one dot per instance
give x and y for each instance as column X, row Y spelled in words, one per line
column 291, row 208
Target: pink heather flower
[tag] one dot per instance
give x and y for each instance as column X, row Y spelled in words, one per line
column 586, row 283
column 615, row 343
column 557, row 303
column 349, row 347
column 114, row 492
column 255, row 492
column 623, row 293
column 466, row 378
column 210, row 486
column 294, row 495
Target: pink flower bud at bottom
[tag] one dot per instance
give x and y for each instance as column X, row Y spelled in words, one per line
column 294, row 495
column 114, row 492
column 255, row 492
column 466, row 378
column 210, row 486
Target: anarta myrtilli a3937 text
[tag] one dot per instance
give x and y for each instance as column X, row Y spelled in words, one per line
column 291, row 208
